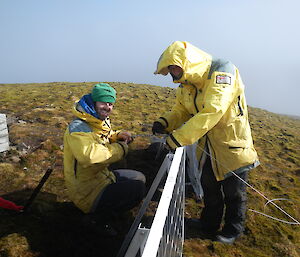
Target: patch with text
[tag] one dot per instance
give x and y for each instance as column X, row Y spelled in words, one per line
column 223, row 79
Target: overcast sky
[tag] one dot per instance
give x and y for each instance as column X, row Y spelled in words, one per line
column 97, row 40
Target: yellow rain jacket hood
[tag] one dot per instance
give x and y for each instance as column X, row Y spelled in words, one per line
column 210, row 109
column 90, row 145
column 192, row 60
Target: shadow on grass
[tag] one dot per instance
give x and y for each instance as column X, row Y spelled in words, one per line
column 54, row 228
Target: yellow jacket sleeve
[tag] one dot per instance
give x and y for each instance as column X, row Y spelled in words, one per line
column 87, row 150
column 177, row 116
column 217, row 99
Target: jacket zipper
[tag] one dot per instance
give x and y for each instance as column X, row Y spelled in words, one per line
column 209, row 144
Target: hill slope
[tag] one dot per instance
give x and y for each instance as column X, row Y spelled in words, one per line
column 38, row 115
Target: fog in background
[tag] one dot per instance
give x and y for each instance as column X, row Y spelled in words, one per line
column 121, row 41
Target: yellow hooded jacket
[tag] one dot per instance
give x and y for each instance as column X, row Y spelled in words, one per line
column 210, row 108
column 90, row 145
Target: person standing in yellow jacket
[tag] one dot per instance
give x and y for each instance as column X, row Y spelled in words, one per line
column 211, row 109
column 90, row 146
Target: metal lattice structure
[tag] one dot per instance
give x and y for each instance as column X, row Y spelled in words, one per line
column 166, row 235
column 171, row 243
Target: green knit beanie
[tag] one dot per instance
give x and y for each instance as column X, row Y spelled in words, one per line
column 103, row 92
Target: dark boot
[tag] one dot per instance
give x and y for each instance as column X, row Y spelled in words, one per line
column 226, row 238
column 204, row 232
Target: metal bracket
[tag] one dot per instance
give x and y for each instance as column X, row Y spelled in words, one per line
column 138, row 242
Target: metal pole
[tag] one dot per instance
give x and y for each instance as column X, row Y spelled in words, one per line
column 37, row 189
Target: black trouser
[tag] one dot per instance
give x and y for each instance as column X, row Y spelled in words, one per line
column 127, row 192
column 230, row 192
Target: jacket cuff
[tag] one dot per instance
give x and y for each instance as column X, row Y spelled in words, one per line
column 172, row 142
column 163, row 121
column 124, row 147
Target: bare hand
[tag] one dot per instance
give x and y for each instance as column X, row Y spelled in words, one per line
column 125, row 136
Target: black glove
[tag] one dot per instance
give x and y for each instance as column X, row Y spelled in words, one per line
column 158, row 128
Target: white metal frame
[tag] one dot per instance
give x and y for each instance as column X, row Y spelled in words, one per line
column 162, row 239
column 166, row 235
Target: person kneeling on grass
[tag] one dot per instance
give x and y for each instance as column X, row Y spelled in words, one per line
column 90, row 146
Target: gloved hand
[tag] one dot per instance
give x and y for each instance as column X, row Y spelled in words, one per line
column 158, row 128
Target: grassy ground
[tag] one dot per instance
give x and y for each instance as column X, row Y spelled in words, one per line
column 38, row 115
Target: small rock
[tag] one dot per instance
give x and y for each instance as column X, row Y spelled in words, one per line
column 15, row 159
